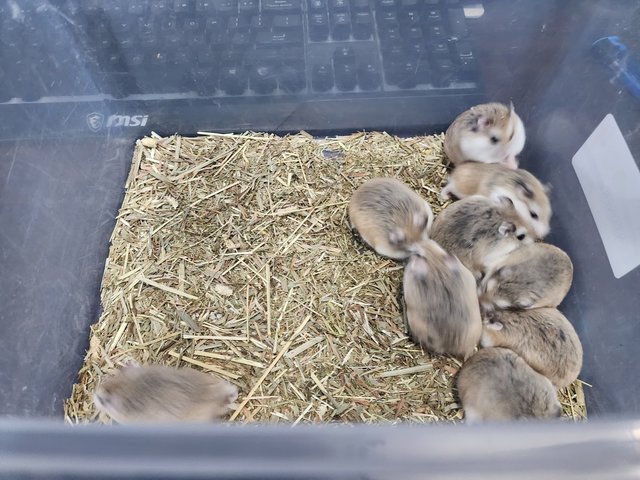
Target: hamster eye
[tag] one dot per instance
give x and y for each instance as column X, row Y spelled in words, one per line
column 534, row 215
column 521, row 236
column 494, row 139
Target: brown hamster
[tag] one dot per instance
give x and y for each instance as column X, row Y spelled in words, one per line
column 529, row 197
column 487, row 133
column 497, row 384
column 156, row 393
column 543, row 337
column 537, row 275
column 479, row 232
column 390, row 217
column 440, row 302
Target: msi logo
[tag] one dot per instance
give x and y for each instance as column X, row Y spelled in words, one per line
column 95, row 121
column 127, row 120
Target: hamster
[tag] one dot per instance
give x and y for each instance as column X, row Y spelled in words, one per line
column 156, row 393
column 543, row 337
column 487, row 133
column 479, row 232
column 440, row 302
column 390, row 217
column 529, row 197
column 537, row 275
column 497, row 384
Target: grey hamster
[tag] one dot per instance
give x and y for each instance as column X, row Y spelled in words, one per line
column 487, row 133
column 543, row 337
column 496, row 384
column 537, row 275
column 390, row 217
column 479, row 232
column 156, row 393
column 440, row 302
column 529, row 197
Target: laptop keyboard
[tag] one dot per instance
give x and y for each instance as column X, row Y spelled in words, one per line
column 234, row 48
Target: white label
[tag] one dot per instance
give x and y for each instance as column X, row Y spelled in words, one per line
column 610, row 180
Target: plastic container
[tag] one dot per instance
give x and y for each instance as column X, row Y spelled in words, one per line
column 72, row 107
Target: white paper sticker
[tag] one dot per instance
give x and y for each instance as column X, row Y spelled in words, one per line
column 610, row 180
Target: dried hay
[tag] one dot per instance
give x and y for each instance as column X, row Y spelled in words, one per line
column 232, row 254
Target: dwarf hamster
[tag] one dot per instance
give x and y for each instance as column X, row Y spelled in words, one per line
column 529, row 197
column 543, row 337
column 479, row 232
column 156, row 393
column 440, row 302
column 537, row 275
column 497, row 384
column 390, row 217
column 487, row 133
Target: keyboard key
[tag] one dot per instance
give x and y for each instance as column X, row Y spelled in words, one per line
column 318, row 26
column 433, row 16
column 292, row 79
column 439, row 50
column 204, row 6
column 234, row 80
column 410, row 4
column 407, row 74
column 436, row 33
column 322, row 77
column 360, row 6
column 248, row 7
column 340, row 26
column 388, row 20
column 193, row 25
column 387, row 4
column 238, row 24
column 182, row 6
column 137, row 7
column 344, row 56
column 204, row 80
column 281, row 6
column 410, row 18
column 272, row 39
column 287, row 22
column 262, row 79
column 149, row 42
column 464, row 55
column 215, row 25
column 123, row 25
column 159, row 7
column 240, row 40
column 167, row 25
column 346, row 77
column 362, row 25
column 318, row 6
column 260, row 23
column 443, row 72
column 368, row 77
column 225, row 7
column 146, row 26
column 457, row 23
column 338, row 5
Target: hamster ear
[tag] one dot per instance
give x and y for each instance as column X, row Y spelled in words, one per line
column 484, row 121
column 504, row 202
column 396, row 236
column 524, row 188
column 506, row 228
column 419, row 266
column 547, row 187
column 497, row 326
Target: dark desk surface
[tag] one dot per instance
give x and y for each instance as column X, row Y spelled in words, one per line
column 59, row 198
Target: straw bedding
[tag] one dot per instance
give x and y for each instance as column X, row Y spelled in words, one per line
column 232, row 254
